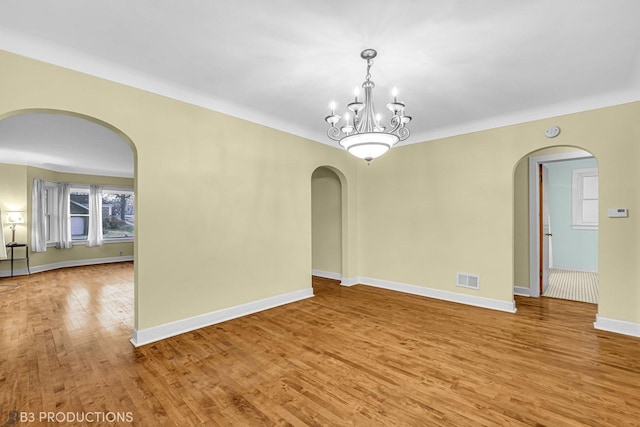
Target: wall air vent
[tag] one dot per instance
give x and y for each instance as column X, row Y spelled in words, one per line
column 468, row 281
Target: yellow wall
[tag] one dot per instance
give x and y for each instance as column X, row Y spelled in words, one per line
column 326, row 192
column 243, row 192
column 447, row 206
column 13, row 188
column 521, row 224
column 417, row 215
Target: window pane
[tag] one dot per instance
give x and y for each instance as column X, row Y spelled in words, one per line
column 79, row 210
column 590, row 187
column 590, row 211
column 79, row 204
column 117, row 215
column 79, row 227
column 48, row 209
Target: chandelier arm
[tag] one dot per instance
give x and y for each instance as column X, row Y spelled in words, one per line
column 395, row 122
column 403, row 133
column 334, row 133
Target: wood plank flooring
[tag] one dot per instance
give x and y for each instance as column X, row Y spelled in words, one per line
column 349, row 356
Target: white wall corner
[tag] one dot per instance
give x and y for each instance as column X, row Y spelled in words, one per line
column 617, row 326
column 493, row 304
column 326, row 274
column 157, row 333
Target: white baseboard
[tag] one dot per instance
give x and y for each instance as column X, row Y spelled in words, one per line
column 335, row 276
column 350, row 281
column 522, row 291
column 64, row 264
column 16, row 272
column 326, row 274
column 492, row 304
column 618, row 326
column 156, row 333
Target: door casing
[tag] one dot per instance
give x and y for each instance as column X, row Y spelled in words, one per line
column 534, row 212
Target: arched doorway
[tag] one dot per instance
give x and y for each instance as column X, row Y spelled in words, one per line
column 62, row 144
column 326, row 222
column 556, row 224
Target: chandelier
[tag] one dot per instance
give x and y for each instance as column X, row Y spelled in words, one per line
column 363, row 133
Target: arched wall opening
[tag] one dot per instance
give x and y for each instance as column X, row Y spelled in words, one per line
column 95, row 120
column 328, row 223
column 38, row 160
column 543, row 221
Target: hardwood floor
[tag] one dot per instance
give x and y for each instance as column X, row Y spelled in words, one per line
column 348, row 356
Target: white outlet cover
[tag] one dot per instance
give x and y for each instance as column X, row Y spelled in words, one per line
column 552, row 131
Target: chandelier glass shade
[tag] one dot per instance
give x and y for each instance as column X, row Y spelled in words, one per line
column 363, row 134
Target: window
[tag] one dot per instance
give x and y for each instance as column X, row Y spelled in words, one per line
column 117, row 214
column 585, row 199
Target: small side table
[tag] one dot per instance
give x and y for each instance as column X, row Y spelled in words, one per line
column 14, row 245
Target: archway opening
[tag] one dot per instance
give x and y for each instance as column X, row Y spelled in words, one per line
column 326, row 221
column 556, row 224
column 63, row 146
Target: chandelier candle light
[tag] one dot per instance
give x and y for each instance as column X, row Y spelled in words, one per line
column 362, row 134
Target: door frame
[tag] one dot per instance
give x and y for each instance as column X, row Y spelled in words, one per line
column 544, row 222
column 534, row 211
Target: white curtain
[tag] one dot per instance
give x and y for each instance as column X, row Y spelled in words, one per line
column 64, row 220
column 94, row 237
column 38, row 219
column 3, row 249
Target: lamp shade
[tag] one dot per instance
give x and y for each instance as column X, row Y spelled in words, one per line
column 370, row 145
column 15, row 218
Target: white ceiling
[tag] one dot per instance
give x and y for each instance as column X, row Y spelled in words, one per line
column 460, row 66
column 64, row 143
